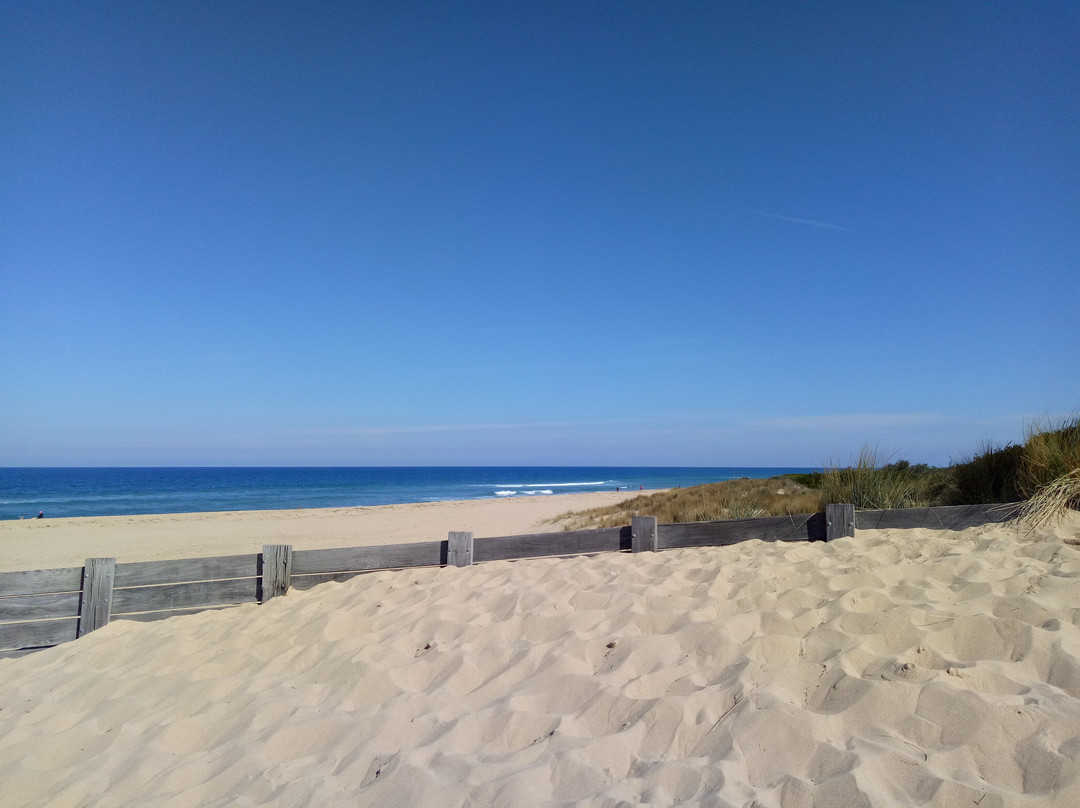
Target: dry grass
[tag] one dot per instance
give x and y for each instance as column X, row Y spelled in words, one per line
column 732, row 499
column 1053, row 501
column 1049, row 472
column 1051, row 452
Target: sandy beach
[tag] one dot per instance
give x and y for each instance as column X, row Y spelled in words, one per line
column 27, row 544
column 895, row 668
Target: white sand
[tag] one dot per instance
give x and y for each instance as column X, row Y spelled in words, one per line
column 50, row 543
column 896, row 668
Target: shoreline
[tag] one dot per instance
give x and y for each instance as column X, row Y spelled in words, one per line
column 27, row 544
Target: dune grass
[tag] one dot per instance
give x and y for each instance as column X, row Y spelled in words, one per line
column 872, row 484
column 1018, row 472
column 1050, row 454
column 1049, row 474
column 731, row 499
column 1043, row 473
column 1052, row 502
column 988, row 475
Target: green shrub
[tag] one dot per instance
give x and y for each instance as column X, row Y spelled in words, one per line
column 989, row 476
column 810, row 480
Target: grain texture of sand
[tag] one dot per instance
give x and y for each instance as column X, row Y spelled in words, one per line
column 895, row 668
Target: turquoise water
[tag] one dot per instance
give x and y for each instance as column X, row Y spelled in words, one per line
column 61, row 492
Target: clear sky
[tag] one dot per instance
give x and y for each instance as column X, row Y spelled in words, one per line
column 629, row 233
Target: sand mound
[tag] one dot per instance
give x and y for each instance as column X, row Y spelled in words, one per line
column 902, row 668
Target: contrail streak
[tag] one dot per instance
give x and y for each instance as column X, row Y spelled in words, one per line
column 810, row 222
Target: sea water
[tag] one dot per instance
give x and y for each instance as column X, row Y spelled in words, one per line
column 60, row 492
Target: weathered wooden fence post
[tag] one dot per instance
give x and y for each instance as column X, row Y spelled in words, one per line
column 95, row 608
column 839, row 521
column 276, row 570
column 459, row 548
column 642, row 533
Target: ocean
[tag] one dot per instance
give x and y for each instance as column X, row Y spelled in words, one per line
column 62, row 492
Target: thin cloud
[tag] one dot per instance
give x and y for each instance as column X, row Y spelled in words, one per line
column 406, row 429
column 852, row 421
column 810, row 222
column 402, row 430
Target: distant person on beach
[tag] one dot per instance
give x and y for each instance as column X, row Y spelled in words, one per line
column 40, row 515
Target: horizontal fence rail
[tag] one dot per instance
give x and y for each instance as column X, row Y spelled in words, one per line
column 952, row 517
column 42, row 608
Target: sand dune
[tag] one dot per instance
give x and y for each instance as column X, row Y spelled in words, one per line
column 896, row 668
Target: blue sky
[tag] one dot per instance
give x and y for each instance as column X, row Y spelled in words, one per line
column 247, row 233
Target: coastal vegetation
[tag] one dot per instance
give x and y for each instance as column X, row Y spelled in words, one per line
column 1041, row 475
column 732, row 499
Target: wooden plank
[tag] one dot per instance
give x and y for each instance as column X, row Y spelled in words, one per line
column 643, row 534
column 567, row 543
column 150, row 573
column 276, row 569
column 146, row 617
column 40, row 607
column 951, row 517
column 96, row 603
column 815, row 529
column 380, row 557
column 799, row 527
column 184, row 596
column 459, row 548
column 37, row 634
column 41, row 582
column 839, row 521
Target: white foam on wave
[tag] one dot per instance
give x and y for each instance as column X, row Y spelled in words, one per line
column 549, row 485
column 505, row 493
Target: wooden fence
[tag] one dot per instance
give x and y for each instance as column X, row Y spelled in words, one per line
column 42, row 608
